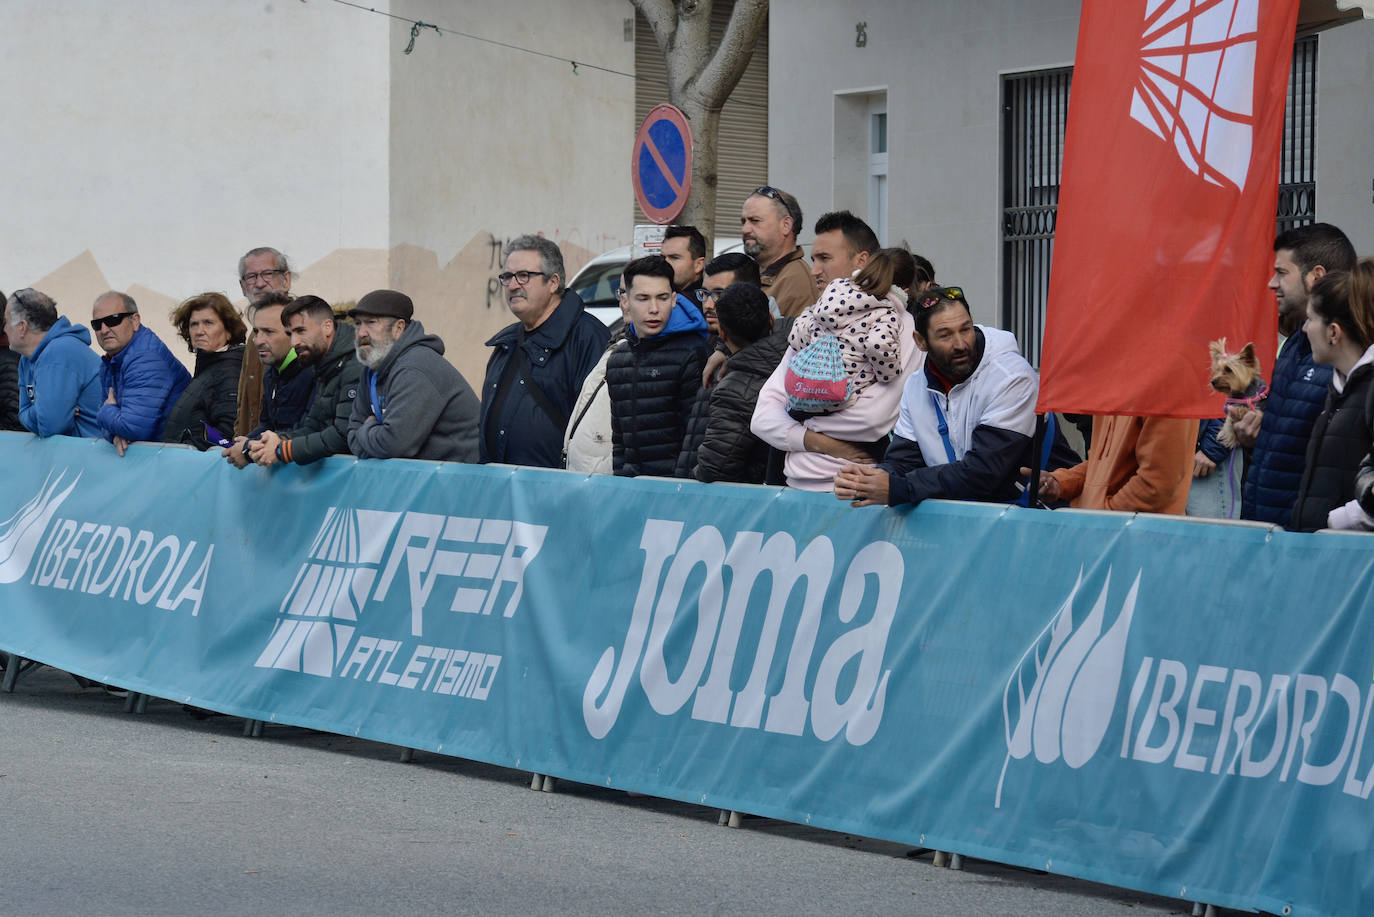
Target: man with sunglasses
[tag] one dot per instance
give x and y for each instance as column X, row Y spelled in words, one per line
column 966, row 420
column 769, row 222
column 140, row 376
column 539, row 362
column 59, row 375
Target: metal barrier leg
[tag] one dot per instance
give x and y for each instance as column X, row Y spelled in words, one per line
column 130, row 701
column 536, row 782
column 941, row 859
column 722, row 817
column 549, row 784
column 257, row 729
column 141, row 705
column 407, row 755
column 956, row 861
column 736, row 819
column 248, row 728
column 12, row 666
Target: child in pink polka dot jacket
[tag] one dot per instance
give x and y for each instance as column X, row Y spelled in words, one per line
column 864, row 315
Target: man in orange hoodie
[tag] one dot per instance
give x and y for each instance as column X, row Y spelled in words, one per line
column 1135, row 465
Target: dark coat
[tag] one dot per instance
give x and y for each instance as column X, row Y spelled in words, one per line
column 1341, row 438
column 558, row 355
column 728, row 450
column 425, row 409
column 324, row 429
column 285, row 394
column 1274, row 472
column 9, row 390
column 212, row 397
column 653, row 385
column 147, row 380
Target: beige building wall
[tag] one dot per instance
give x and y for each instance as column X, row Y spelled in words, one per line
column 148, row 145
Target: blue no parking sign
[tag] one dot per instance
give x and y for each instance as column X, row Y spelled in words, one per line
column 661, row 164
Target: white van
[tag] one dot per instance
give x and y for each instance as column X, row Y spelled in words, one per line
column 599, row 280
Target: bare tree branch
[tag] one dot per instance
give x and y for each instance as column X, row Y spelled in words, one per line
column 720, row 76
column 662, row 18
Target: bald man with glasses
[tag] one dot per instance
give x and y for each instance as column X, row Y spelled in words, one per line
column 140, row 376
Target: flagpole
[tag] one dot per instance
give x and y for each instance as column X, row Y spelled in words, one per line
column 1037, row 443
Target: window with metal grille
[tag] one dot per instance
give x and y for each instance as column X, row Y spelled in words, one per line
column 1034, row 112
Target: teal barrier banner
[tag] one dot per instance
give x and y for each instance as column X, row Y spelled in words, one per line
column 1174, row 707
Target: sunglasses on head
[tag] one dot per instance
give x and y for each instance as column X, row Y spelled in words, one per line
column 110, row 321
column 938, row 295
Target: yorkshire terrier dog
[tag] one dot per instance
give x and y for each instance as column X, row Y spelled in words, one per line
column 1237, row 376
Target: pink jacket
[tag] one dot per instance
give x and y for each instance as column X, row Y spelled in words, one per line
column 871, row 417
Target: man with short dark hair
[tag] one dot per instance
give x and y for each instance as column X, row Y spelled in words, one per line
column 262, row 270
column 140, row 375
column 1298, row 385
column 411, row 402
column 684, row 247
column 325, row 345
column 966, row 421
column 654, row 381
column 286, row 380
column 719, row 273
column 843, row 245
column 769, row 222
column 728, row 449
column 58, row 382
column 538, row 364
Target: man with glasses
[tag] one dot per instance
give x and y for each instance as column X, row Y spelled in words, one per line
column 141, row 377
column 411, row 402
column 262, row 271
column 539, row 362
column 719, row 273
column 769, row 222
column 965, row 426
column 59, row 375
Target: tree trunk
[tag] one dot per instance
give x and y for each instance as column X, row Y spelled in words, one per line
column 699, row 82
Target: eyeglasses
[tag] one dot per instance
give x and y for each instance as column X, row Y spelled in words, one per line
column 264, row 276
column 943, row 294
column 704, row 294
column 110, row 321
column 520, row 277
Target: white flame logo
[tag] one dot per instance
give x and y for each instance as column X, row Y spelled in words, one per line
column 1074, row 676
column 23, row 530
column 1196, row 83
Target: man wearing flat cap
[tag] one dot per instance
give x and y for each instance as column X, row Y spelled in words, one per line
column 412, row 403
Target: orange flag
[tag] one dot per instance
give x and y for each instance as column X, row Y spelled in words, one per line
column 1166, row 218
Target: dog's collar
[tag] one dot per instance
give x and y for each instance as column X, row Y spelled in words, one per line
column 1252, row 400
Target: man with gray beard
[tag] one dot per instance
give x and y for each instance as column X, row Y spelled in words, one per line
column 412, row 403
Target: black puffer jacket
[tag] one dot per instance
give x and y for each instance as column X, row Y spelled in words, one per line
column 653, row 385
column 695, row 432
column 9, row 390
column 212, row 396
column 1341, row 438
column 728, row 451
column 324, row 429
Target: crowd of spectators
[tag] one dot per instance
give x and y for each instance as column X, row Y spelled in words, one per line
column 854, row 374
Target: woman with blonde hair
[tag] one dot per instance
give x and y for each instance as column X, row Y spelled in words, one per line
column 214, row 332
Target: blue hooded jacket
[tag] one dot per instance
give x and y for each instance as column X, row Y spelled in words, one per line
column 147, row 380
column 59, row 386
column 686, row 316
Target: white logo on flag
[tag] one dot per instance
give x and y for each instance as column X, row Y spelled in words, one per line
column 1074, row 674
column 21, row 532
column 1196, row 83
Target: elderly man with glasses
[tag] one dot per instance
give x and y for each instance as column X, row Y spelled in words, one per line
column 59, row 375
column 262, row 271
column 538, row 363
column 141, row 377
column 769, row 222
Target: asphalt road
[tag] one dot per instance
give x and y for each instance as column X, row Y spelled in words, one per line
column 112, row 814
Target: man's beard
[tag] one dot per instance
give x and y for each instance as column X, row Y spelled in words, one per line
column 379, row 352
